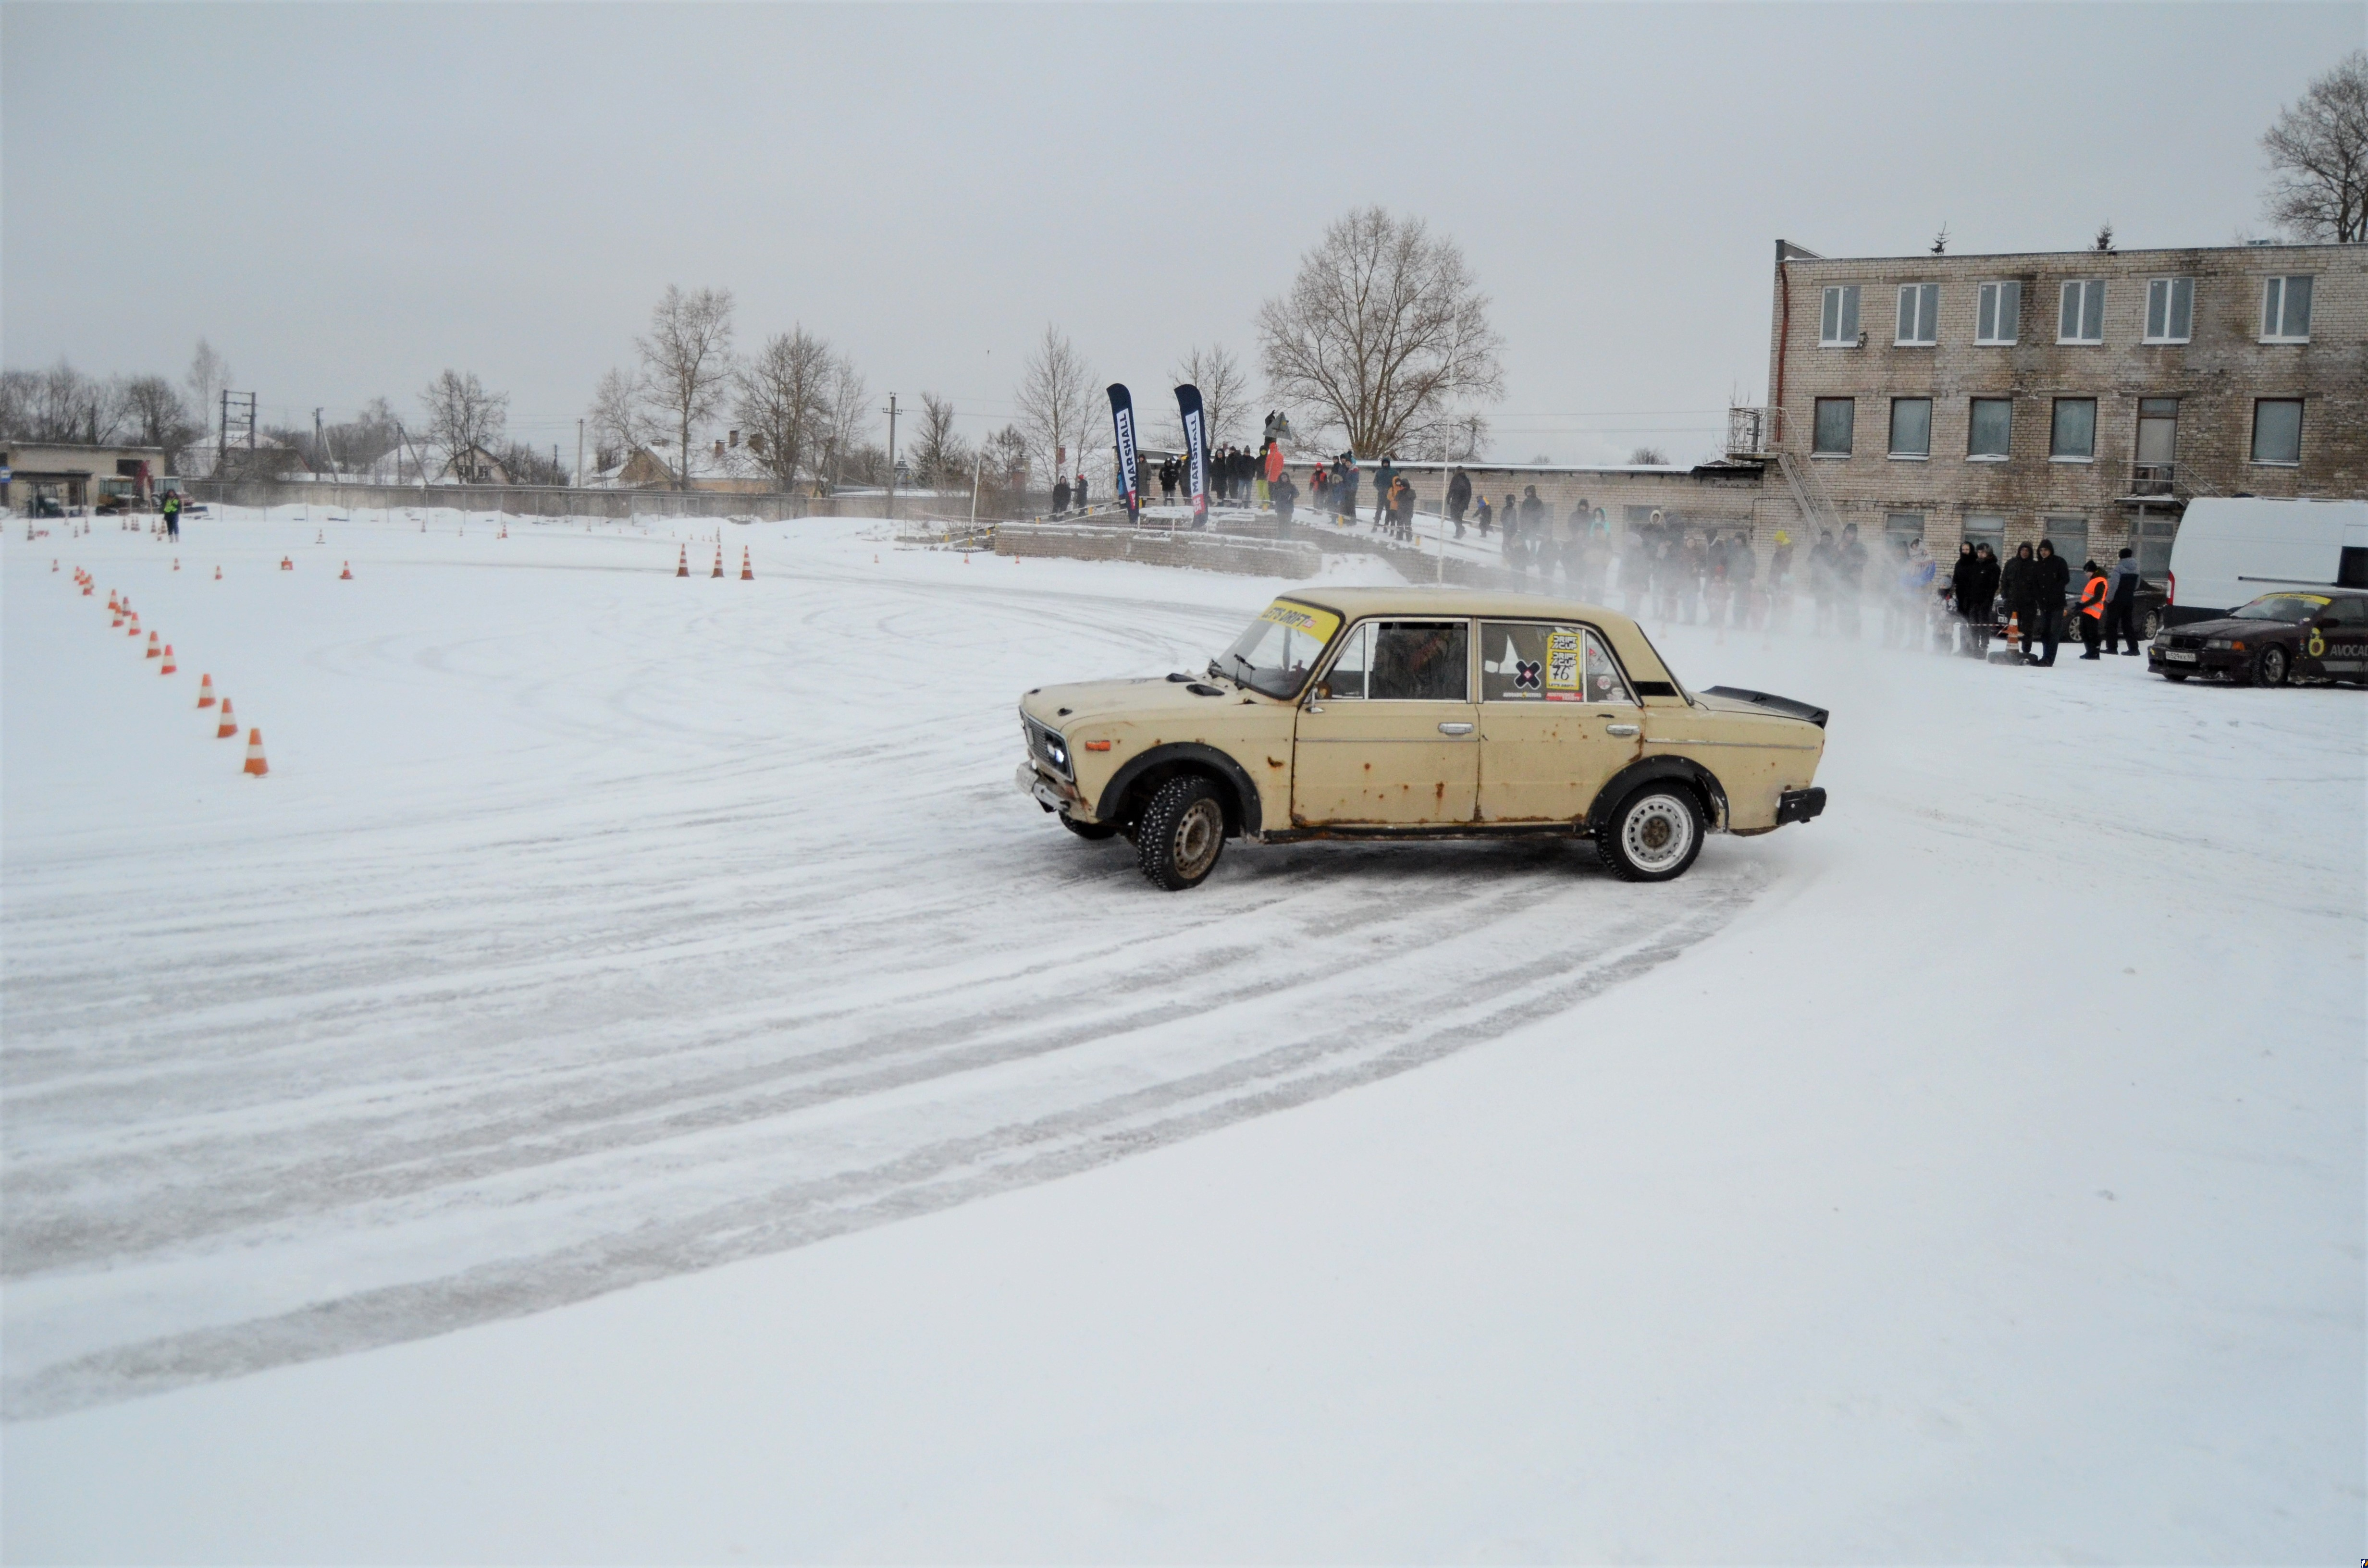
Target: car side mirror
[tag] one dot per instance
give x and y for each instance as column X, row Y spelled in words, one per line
column 1321, row 692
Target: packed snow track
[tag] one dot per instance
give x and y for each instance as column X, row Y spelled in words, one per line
column 596, row 925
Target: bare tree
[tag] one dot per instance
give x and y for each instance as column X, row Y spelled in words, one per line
column 208, row 374
column 463, row 418
column 850, row 416
column 687, row 362
column 530, row 465
column 1648, row 456
column 1056, row 399
column 61, row 404
column 938, row 456
column 1223, row 392
column 157, row 416
column 784, row 401
column 615, row 414
column 2318, row 157
column 1383, row 335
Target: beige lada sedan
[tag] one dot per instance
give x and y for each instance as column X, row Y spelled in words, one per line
column 1422, row 714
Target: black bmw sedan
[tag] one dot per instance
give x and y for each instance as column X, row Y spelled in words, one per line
column 2293, row 634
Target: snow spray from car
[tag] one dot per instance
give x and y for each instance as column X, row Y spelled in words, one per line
column 1123, row 422
column 1188, row 404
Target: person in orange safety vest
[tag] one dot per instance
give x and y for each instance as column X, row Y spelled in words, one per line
column 2092, row 608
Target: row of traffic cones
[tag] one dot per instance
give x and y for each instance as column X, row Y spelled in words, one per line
column 226, row 726
column 682, row 563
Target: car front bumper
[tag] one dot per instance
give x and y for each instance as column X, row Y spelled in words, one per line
column 2224, row 662
column 1050, row 793
column 1799, row 805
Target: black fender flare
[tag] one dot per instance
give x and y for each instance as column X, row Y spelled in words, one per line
column 1245, row 816
column 1645, row 770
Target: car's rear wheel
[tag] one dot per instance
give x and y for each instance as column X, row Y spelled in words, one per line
column 1181, row 835
column 1653, row 835
column 1089, row 830
column 2152, row 626
column 2269, row 666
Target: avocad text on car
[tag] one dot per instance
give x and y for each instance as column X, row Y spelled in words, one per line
column 1422, row 714
column 2320, row 633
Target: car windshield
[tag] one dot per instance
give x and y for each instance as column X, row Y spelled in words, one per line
column 1275, row 654
column 2281, row 607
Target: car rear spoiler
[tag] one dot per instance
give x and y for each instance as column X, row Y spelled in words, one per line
column 1783, row 705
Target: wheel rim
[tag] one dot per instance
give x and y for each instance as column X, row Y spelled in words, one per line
column 2274, row 665
column 1199, row 832
column 1658, row 832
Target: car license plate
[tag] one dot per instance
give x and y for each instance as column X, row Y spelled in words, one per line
column 2179, row 658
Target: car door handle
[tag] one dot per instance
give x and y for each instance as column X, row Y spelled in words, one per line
column 1623, row 730
column 1455, row 728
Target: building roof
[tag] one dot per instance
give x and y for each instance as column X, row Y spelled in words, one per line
column 1788, row 252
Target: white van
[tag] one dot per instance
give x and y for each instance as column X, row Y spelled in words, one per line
column 2232, row 549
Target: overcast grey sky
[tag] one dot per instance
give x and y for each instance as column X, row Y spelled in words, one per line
column 347, row 198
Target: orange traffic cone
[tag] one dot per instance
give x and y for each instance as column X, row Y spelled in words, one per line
column 719, row 562
column 286, row 564
column 218, row 574
column 131, row 626
column 176, row 564
column 254, row 762
column 205, row 692
column 168, row 667
column 682, row 561
column 317, row 537
column 229, row 726
column 86, row 587
column 348, row 574
column 153, row 650
column 114, row 609
column 747, row 572
column 54, row 565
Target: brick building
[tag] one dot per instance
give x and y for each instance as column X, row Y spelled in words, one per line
column 2084, row 395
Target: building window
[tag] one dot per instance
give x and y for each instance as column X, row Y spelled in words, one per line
column 1919, row 315
column 2171, row 309
column 1836, row 417
column 2000, row 315
column 2158, row 447
column 1911, row 427
column 2285, row 310
column 1989, row 432
column 2277, row 431
column 1986, row 528
column 1901, row 529
column 1838, row 327
column 2074, row 436
column 2070, row 538
column 2080, row 317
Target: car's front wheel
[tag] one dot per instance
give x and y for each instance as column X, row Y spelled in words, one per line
column 2153, row 624
column 1181, row 834
column 1653, row 835
column 2270, row 668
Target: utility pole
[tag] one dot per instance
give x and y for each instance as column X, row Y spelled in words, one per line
column 580, row 454
column 892, row 454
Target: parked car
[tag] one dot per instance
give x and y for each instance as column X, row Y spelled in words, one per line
column 1407, row 713
column 2277, row 638
column 2232, row 549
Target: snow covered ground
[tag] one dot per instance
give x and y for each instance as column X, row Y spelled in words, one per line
column 1975, row 1174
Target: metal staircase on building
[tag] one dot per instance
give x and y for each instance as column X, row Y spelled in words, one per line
column 1817, row 509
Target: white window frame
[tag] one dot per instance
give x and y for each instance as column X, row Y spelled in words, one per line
column 1833, row 455
column 2054, row 407
column 2064, row 297
column 2168, row 290
column 1991, row 306
column 2253, row 436
column 1974, row 456
column 1833, row 330
column 2276, row 294
column 1927, row 298
column 1891, row 437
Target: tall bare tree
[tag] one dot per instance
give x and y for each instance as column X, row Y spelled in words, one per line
column 784, row 398
column 208, row 374
column 2318, row 157
column 938, row 456
column 1056, row 399
column 616, row 413
column 1383, row 334
column 157, row 417
column 61, row 404
column 1224, row 391
column 687, row 362
column 462, row 416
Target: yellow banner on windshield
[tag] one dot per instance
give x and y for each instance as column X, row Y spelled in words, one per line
column 1319, row 624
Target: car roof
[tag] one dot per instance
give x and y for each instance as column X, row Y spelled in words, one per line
column 1413, row 600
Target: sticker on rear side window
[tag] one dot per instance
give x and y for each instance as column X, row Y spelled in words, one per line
column 1562, row 666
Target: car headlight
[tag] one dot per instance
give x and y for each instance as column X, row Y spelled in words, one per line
column 1057, row 752
column 2222, row 643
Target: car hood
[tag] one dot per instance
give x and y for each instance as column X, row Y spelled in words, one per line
column 1060, row 707
column 2228, row 626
